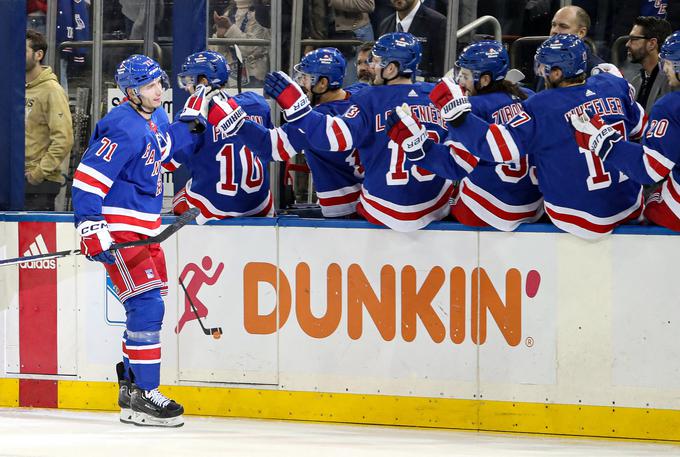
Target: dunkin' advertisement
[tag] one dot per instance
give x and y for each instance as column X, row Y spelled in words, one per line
column 374, row 311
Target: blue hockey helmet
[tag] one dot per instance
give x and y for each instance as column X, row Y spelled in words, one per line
column 566, row 52
column 137, row 71
column 401, row 48
column 210, row 64
column 670, row 51
column 324, row 62
column 485, row 57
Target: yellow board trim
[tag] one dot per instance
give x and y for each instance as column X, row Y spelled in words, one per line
column 9, row 392
column 554, row 419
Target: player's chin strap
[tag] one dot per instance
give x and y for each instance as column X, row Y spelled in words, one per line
column 384, row 79
column 317, row 95
column 138, row 105
column 398, row 75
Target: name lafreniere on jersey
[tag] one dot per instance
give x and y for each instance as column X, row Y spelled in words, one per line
column 602, row 106
column 424, row 113
column 218, row 135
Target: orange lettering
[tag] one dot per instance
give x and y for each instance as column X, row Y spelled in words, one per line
column 417, row 303
column 508, row 316
column 318, row 327
column 253, row 274
column 359, row 293
column 457, row 305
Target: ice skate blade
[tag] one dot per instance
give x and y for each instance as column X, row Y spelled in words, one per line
column 145, row 420
column 126, row 416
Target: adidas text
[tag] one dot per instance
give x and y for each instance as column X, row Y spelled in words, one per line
column 46, row 264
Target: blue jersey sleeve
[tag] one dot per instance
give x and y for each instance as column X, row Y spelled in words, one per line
column 635, row 114
column 271, row 143
column 495, row 143
column 450, row 160
column 336, row 133
column 184, row 143
column 653, row 160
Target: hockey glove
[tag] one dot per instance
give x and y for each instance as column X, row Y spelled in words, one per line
column 95, row 240
column 451, row 100
column 605, row 67
column 594, row 134
column 226, row 114
column 288, row 95
column 408, row 133
column 195, row 110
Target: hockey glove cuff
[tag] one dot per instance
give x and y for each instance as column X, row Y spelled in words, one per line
column 226, row 114
column 605, row 67
column 451, row 100
column 95, row 240
column 288, row 95
column 594, row 134
column 195, row 110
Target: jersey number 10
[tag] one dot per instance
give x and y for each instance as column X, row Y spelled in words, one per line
column 252, row 175
column 397, row 174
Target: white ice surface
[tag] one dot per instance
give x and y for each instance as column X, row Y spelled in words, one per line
column 53, row 433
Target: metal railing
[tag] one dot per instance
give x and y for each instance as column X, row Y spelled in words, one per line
column 518, row 43
column 472, row 26
column 452, row 22
column 239, row 41
column 158, row 53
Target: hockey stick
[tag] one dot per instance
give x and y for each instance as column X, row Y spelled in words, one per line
column 216, row 332
column 170, row 230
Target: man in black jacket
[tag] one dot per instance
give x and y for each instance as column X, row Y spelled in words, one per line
column 425, row 24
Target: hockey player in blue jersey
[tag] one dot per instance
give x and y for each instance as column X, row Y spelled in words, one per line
column 581, row 195
column 337, row 176
column 228, row 179
column 656, row 158
column 400, row 197
column 117, row 196
column 499, row 195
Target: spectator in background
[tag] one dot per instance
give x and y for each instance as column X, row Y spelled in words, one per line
column 575, row 21
column 239, row 21
column 350, row 20
column 619, row 14
column 427, row 25
column 135, row 13
column 36, row 15
column 644, row 41
column 49, row 132
column 364, row 70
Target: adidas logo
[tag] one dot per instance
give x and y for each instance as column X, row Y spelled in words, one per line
column 412, row 93
column 38, row 247
column 589, row 93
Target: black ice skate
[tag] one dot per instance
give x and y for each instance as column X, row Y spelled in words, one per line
column 150, row 407
column 124, row 386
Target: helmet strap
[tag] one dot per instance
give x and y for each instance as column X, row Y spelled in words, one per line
column 138, row 104
column 382, row 74
column 317, row 95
